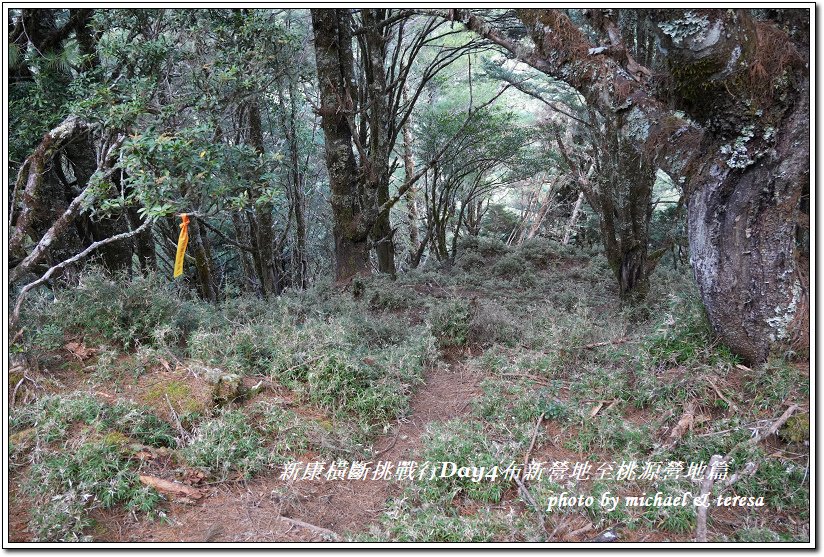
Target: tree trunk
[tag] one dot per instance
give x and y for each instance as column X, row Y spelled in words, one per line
column 333, row 54
column 742, row 234
column 300, row 264
column 143, row 243
column 377, row 167
column 746, row 83
column 250, row 281
column 32, row 175
column 745, row 199
column 573, row 218
column 409, row 172
column 202, row 254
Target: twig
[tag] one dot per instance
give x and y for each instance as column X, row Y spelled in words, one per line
column 749, row 468
column 532, row 442
column 183, row 433
column 308, row 526
column 777, row 424
column 16, row 314
column 392, row 444
column 14, row 394
column 528, row 496
column 622, row 340
column 718, row 392
column 19, row 383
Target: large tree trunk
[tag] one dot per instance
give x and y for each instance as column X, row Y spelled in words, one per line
column 749, row 87
column 377, row 167
column 333, row 55
column 744, row 166
column 742, row 235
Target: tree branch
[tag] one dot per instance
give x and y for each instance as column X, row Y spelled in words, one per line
column 117, row 237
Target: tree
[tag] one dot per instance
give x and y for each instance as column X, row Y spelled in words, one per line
column 367, row 94
column 740, row 146
column 484, row 158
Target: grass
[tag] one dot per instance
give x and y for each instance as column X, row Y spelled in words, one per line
column 541, row 322
column 78, row 454
column 227, row 445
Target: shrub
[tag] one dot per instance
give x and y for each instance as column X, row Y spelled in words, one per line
column 487, row 246
column 492, row 323
column 79, row 469
column 388, row 295
column 449, row 322
column 470, row 260
column 511, row 266
column 102, row 307
column 53, row 415
column 463, row 444
column 71, row 484
column 540, row 251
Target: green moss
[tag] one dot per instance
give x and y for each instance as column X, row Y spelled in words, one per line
column 116, row 439
column 179, row 395
column 797, row 429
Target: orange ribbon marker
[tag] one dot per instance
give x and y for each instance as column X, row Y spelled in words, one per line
column 182, row 242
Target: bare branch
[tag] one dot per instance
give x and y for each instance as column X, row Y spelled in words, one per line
column 117, row 237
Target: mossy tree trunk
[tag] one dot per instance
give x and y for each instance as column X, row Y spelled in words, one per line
column 747, row 83
column 333, row 54
column 742, row 156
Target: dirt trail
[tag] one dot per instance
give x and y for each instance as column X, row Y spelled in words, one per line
column 251, row 512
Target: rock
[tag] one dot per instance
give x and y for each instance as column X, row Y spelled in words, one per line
column 605, row 537
column 226, row 387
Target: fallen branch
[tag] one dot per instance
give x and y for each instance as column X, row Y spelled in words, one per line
column 579, row 531
column 308, row 526
column 706, row 488
column 531, row 500
column 684, row 424
column 172, row 488
column 749, row 469
column 392, row 444
column 532, row 442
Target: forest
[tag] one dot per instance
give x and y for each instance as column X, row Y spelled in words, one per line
column 387, row 275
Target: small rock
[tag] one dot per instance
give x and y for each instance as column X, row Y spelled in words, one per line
column 605, row 537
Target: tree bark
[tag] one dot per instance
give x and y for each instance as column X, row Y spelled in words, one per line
column 573, row 218
column 377, row 166
column 202, row 253
column 333, row 53
column 409, row 173
column 32, row 174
